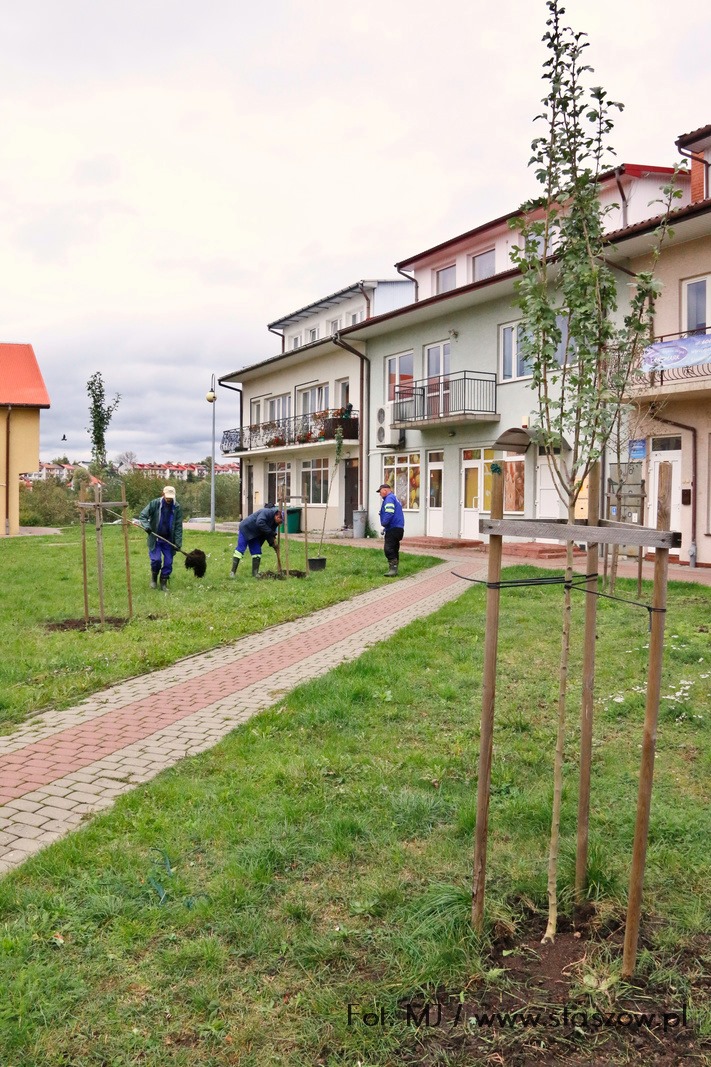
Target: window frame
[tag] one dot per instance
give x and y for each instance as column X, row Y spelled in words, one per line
column 390, row 385
column 395, row 464
column 687, row 330
column 439, row 272
column 477, row 256
column 310, row 468
column 280, row 468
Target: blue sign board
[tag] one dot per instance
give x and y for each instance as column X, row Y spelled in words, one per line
column 638, row 448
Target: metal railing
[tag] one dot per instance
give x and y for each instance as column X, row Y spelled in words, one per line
column 445, row 396
column 300, row 430
column 643, row 379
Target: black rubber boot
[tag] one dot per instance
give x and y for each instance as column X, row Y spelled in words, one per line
column 163, row 584
column 154, row 579
column 235, row 565
column 392, row 572
column 255, row 565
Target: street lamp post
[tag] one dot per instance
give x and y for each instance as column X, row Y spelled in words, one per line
column 211, row 398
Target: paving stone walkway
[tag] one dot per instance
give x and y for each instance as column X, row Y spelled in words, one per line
column 64, row 766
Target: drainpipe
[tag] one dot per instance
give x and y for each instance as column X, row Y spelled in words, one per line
column 366, row 298
column 7, row 471
column 277, row 334
column 696, row 158
column 410, row 279
column 692, row 431
column 619, row 171
column 364, row 386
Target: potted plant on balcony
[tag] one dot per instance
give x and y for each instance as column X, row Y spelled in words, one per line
column 318, row 562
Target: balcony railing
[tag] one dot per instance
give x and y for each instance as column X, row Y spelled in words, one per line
column 300, row 430
column 643, row 379
column 446, row 397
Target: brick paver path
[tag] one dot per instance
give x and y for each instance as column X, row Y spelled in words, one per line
column 64, row 766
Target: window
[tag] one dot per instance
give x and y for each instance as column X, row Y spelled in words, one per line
column 313, row 399
column 312, row 334
column 278, row 483
column 403, row 473
column 279, row 408
column 296, row 341
column 483, row 266
column 314, row 481
column 399, row 371
column 666, row 444
column 343, row 393
column 446, row 279
column 334, row 325
column 514, row 482
column 696, row 298
column 255, row 412
column 513, row 364
column 354, row 317
column 437, row 357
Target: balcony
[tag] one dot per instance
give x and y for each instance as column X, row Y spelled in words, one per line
column 675, row 363
column 469, row 396
column 301, row 430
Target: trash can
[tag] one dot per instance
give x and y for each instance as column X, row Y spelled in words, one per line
column 359, row 520
column 293, row 520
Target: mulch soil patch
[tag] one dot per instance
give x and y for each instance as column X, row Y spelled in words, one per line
column 114, row 621
column 545, row 1013
column 281, row 576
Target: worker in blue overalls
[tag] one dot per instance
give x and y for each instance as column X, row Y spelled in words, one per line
column 392, row 521
column 257, row 528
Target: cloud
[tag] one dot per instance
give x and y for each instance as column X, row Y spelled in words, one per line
column 173, row 177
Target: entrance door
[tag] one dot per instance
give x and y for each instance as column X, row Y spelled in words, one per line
column 438, row 371
column 250, row 489
column 665, row 454
column 476, row 490
column 435, row 475
column 350, row 494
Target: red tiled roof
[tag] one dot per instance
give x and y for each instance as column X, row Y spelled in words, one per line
column 21, row 381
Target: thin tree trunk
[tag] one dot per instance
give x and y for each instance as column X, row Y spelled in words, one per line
column 550, row 933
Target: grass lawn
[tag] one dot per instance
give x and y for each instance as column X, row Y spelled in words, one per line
column 230, row 911
column 42, row 584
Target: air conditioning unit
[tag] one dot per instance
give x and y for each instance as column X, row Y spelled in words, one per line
column 386, row 436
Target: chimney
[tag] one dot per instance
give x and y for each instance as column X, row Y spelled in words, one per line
column 698, row 178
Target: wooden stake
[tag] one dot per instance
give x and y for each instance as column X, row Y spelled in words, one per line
column 124, row 505
column 651, row 714
column 486, row 730
column 85, row 571
column 586, row 709
column 99, row 550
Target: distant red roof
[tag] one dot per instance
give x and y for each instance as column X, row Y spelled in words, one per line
column 21, row 381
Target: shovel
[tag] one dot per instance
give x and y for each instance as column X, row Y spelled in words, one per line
column 195, row 561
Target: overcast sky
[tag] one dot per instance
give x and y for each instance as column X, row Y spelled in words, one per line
column 175, row 174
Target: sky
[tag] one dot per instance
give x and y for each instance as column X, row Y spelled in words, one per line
column 175, row 174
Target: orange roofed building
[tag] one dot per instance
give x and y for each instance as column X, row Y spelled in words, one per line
column 22, row 395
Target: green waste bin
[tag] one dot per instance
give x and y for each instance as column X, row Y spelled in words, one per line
column 293, row 520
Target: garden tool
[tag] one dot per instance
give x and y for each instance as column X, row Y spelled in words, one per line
column 195, row 561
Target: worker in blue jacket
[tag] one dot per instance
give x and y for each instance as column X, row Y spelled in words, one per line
column 163, row 517
column 392, row 521
column 257, row 528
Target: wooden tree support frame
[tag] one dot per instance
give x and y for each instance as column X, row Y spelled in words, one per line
column 97, row 505
column 593, row 534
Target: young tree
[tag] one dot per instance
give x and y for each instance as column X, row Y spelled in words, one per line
column 100, row 414
column 580, row 358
